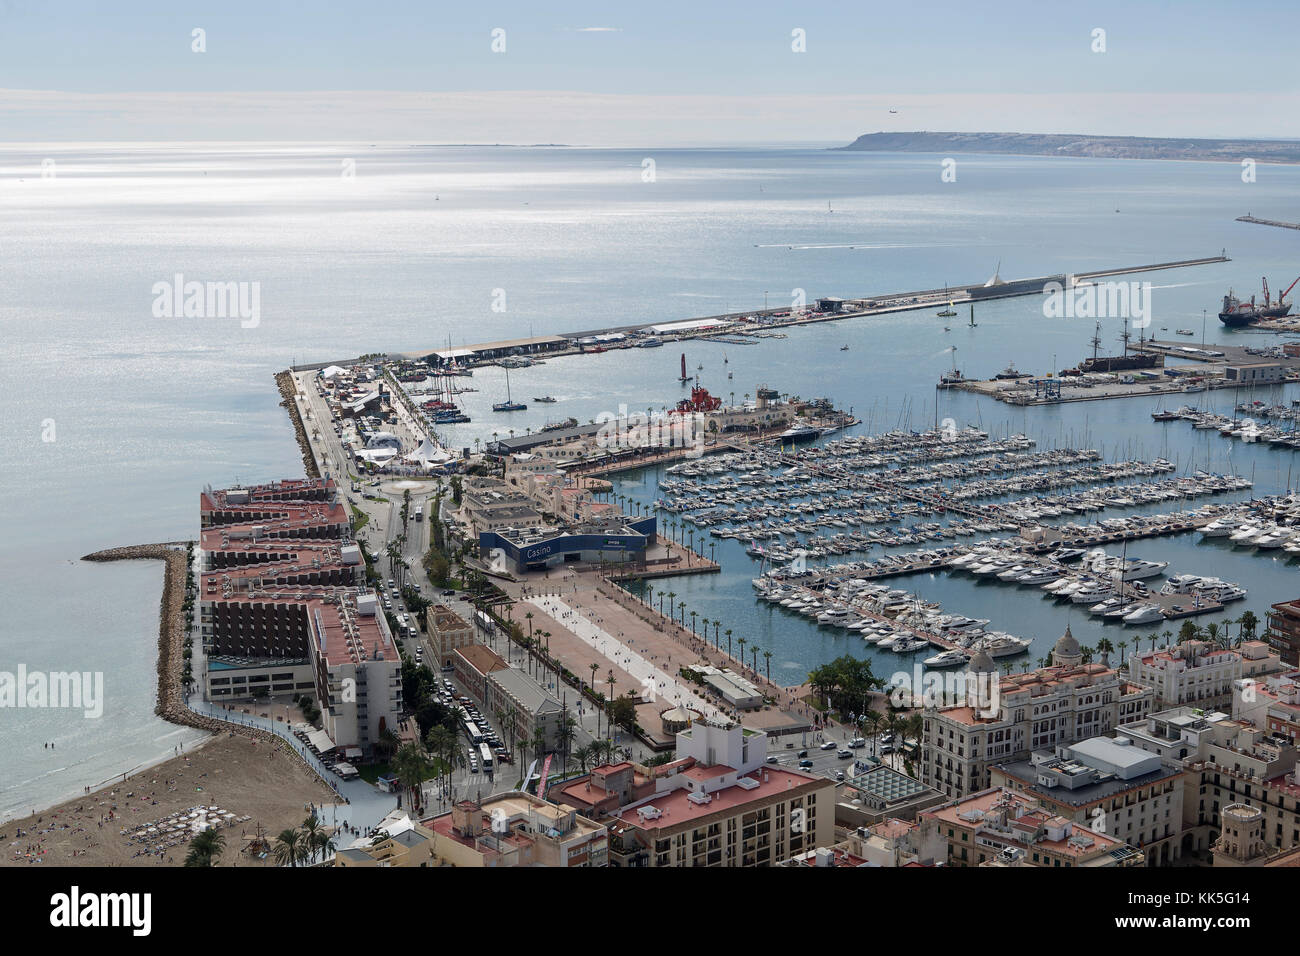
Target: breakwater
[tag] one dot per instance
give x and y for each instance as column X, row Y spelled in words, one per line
column 287, row 392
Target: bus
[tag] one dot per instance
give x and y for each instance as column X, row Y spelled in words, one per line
column 475, row 735
column 485, row 755
column 419, row 512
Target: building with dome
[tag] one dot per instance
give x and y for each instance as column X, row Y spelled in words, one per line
column 1040, row 710
column 1066, row 652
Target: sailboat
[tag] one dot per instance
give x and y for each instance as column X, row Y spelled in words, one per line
column 509, row 405
column 948, row 312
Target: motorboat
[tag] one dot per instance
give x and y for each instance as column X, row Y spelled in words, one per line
column 949, row 658
column 1144, row 614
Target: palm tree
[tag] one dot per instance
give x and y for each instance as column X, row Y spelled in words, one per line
column 1249, row 622
column 205, row 849
column 538, row 742
column 583, row 755
column 322, row 843
column 288, row 849
column 706, row 633
column 1123, row 645
column 742, row 642
column 728, row 633
column 681, row 608
column 412, row 769
column 444, row 744
column 566, row 729
column 872, row 720
column 312, row 831
column 767, row 663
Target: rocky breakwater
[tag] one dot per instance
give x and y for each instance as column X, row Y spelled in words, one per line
column 288, row 392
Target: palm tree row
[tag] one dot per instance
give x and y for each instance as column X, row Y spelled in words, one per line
column 302, row 845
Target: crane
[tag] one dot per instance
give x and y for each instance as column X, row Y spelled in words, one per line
column 1288, row 291
column 1266, row 299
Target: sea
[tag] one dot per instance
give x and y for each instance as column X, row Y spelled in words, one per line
column 117, row 416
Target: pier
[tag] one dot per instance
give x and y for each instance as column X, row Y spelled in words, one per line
column 1269, row 222
column 759, row 323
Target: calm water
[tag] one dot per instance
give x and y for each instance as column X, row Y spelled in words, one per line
column 408, row 255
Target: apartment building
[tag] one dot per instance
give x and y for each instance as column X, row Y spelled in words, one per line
column 282, row 608
column 516, row 829
column 1199, row 673
column 1038, row 710
column 718, row 805
column 528, row 708
column 1002, row 827
column 1107, row 786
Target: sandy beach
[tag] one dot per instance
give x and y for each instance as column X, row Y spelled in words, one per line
column 243, row 776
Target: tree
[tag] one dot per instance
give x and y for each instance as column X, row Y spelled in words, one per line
column 412, row 768
column 566, row 730
column 1249, row 622
column 312, row 831
column 205, row 849
column 767, row 662
column 844, row 682
column 288, row 849
column 622, row 712
column 539, row 742
column 584, row 755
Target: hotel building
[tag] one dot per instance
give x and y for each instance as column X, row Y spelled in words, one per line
column 719, row 804
column 1039, row 710
column 283, row 609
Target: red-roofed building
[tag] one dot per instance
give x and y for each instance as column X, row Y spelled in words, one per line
column 282, row 612
column 719, row 804
column 1001, row 827
column 1039, row 710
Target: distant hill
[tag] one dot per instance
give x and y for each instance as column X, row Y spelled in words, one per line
column 1064, row 144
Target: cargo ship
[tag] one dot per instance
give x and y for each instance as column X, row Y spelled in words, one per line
column 1236, row 313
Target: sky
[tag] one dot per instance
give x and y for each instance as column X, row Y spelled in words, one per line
column 650, row 73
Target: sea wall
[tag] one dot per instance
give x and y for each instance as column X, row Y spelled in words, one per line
column 287, row 392
column 170, row 704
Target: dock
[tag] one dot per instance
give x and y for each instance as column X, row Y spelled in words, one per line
column 1269, row 222
column 759, row 323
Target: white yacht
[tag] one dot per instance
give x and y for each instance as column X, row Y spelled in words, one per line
column 1221, row 527
column 951, row 658
column 908, row 643
column 834, row 615
column 1144, row 614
